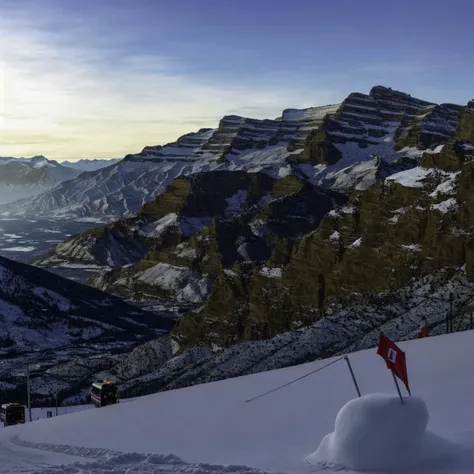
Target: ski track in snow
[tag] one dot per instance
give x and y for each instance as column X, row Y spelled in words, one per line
column 16, row 459
column 107, row 461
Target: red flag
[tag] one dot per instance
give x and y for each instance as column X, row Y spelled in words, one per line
column 394, row 358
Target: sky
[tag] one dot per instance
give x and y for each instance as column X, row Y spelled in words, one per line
column 103, row 78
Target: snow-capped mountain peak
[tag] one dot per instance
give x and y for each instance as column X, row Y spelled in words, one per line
column 24, row 177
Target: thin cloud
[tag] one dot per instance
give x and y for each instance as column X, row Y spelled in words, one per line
column 74, row 88
column 62, row 96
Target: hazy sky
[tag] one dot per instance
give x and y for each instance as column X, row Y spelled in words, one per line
column 102, row 78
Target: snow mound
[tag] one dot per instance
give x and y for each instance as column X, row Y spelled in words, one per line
column 377, row 432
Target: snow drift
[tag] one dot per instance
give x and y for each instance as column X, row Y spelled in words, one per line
column 377, row 432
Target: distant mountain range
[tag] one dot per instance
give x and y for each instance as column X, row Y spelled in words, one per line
column 86, row 164
column 25, row 177
column 326, row 146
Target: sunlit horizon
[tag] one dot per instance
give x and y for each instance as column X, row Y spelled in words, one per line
column 104, row 79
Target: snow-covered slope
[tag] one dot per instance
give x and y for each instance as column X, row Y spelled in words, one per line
column 23, row 177
column 213, row 424
column 86, row 164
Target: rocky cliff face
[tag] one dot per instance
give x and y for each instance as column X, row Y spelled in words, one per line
column 178, row 245
column 410, row 224
column 267, row 250
column 160, row 364
column 385, row 123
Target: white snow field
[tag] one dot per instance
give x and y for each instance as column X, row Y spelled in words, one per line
column 210, row 428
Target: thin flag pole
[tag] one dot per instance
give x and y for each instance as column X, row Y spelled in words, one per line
column 352, row 375
column 398, row 388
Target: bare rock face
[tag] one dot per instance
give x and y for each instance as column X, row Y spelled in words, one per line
column 264, row 239
column 378, row 122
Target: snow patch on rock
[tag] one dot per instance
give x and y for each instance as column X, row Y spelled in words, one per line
column 334, row 236
column 412, row 178
column 448, row 186
column 271, row 272
column 156, row 229
column 412, row 247
column 184, row 282
column 356, row 243
column 450, row 205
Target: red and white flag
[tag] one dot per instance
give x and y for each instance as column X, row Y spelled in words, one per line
column 394, row 358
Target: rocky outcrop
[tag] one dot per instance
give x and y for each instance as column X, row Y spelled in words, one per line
column 111, row 246
column 266, row 251
column 377, row 123
column 204, row 224
column 416, row 221
column 186, row 146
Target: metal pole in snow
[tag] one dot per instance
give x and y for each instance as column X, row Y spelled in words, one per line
column 28, row 388
column 398, row 388
column 352, row 375
column 451, row 312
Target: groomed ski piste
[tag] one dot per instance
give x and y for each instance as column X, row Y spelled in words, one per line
column 211, row 429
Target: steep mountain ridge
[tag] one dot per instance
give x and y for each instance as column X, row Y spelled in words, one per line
column 316, row 143
column 385, row 123
column 22, row 177
column 411, row 224
column 90, row 164
column 238, row 143
column 268, row 250
column 177, row 245
column 376, row 147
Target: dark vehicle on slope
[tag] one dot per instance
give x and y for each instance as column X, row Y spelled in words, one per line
column 104, row 393
column 12, row 414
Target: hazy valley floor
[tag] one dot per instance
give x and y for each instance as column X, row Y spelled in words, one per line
column 26, row 239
